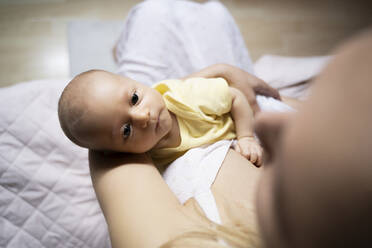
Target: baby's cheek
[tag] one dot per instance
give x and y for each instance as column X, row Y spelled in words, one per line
column 147, row 143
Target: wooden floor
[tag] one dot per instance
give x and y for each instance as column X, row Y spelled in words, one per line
column 33, row 41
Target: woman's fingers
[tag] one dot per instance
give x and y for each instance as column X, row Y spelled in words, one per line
column 267, row 90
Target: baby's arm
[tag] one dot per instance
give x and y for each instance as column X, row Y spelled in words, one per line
column 247, row 83
column 242, row 115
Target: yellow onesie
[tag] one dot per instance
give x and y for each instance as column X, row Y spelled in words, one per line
column 202, row 107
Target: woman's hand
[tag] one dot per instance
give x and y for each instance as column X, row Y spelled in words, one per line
column 241, row 78
column 249, row 84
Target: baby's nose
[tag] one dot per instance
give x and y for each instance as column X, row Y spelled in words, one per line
column 141, row 118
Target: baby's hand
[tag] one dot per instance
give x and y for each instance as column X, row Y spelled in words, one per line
column 250, row 149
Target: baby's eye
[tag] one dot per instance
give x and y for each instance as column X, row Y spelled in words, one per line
column 134, row 99
column 127, row 129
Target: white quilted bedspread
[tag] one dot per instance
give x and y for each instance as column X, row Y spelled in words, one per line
column 46, row 195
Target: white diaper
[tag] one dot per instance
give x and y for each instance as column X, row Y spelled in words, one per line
column 193, row 174
column 269, row 104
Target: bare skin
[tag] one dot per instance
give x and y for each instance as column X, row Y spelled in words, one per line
column 123, row 115
column 239, row 79
column 126, row 185
column 316, row 187
column 316, row 184
column 115, row 177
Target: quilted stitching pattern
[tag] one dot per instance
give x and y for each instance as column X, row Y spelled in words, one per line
column 46, row 195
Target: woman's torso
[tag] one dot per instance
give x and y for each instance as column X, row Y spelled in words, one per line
column 234, row 190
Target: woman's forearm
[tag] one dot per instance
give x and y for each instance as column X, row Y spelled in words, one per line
column 247, row 83
column 235, row 76
column 135, row 200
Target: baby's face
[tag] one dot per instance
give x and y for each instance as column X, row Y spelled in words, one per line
column 123, row 115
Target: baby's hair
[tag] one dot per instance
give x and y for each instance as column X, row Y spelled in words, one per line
column 71, row 104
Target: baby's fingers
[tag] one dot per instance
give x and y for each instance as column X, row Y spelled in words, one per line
column 253, row 157
column 259, row 157
column 236, row 147
column 245, row 152
column 259, row 161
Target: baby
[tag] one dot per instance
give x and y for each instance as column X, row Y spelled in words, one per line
column 103, row 111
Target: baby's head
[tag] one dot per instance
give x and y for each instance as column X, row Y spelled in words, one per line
column 103, row 111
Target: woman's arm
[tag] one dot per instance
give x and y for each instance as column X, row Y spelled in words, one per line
column 239, row 79
column 139, row 208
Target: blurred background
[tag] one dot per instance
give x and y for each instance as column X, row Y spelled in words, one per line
column 34, row 34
